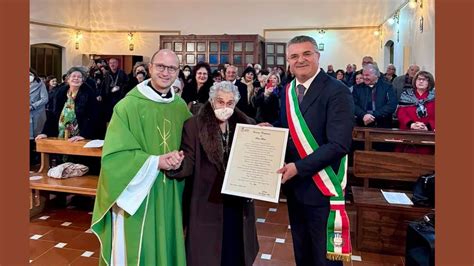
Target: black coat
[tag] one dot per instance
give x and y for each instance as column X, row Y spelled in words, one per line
column 112, row 98
column 385, row 103
column 85, row 108
column 268, row 108
column 327, row 108
column 203, row 202
column 190, row 92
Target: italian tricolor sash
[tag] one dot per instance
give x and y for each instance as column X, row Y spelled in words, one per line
column 332, row 185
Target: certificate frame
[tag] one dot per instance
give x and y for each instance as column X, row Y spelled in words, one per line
column 234, row 180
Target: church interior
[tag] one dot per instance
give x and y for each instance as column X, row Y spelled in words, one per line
column 397, row 35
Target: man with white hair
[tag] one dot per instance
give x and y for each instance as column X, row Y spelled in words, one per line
column 374, row 100
column 244, row 105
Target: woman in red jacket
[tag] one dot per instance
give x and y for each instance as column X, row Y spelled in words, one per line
column 416, row 109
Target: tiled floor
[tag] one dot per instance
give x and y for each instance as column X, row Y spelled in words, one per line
column 61, row 237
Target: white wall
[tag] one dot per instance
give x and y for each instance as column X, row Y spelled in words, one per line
column 64, row 38
column 72, row 13
column 341, row 47
column 420, row 44
column 226, row 16
column 236, row 17
column 66, row 12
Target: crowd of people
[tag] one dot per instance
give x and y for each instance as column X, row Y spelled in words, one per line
column 377, row 96
column 165, row 123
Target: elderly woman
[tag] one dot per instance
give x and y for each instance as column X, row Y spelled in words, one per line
column 220, row 229
column 416, row 109
column 74, row 110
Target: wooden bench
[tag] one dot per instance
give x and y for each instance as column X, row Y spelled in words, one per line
column 83, row 185
column 381, row 227
column 370, row 135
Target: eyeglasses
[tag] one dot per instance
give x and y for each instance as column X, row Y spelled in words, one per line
column 421, row 79
column 161, row 68
column 296, row 57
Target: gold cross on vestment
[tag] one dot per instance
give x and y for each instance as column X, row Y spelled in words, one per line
column 165, row 134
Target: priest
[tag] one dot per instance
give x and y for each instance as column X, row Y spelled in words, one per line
column 137, row 213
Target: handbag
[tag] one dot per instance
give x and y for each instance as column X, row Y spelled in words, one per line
column 424, row 191
column 420, row 242
column 66, row 170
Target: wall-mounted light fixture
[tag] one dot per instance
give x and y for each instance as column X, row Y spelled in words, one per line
column 377, row 32
column 131, row 45
column 321, row 33
column 412, row 3
column 77, row 38
column 395, row 18
column 321, row 46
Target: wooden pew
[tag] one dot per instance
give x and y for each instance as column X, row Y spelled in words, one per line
column 381, row 227
column 371, row 135
column 83, row 185
column 394, row 166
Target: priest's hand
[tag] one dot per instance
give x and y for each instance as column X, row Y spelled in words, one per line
column 171, row 160
column 288, row 171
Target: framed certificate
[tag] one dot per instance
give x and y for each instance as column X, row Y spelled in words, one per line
column 255, row 156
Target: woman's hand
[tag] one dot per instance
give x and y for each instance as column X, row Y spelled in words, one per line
column 268, row 91
column 75, row 138
column 171, row 160
column 418, row 126
column 40, row 136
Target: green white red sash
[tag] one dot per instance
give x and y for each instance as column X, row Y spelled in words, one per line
column 338, row 243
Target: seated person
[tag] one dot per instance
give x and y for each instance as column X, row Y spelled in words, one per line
column 374, row 100
column 416, row 110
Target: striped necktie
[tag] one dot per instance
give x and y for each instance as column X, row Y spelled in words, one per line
column 300, row 90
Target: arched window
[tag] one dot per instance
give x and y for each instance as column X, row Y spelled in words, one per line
column 389, row 52
column 46, row 59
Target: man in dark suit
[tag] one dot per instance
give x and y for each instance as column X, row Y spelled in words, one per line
column 244, row 105
column 374, row 100
column 113, row 87
column 326, row 107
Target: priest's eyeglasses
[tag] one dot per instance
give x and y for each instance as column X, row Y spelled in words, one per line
column 161, row 68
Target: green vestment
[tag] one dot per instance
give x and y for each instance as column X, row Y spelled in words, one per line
column 139, row 128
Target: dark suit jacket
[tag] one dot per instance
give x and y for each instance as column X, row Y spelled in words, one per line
column 327, row 108
column 385, row 103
